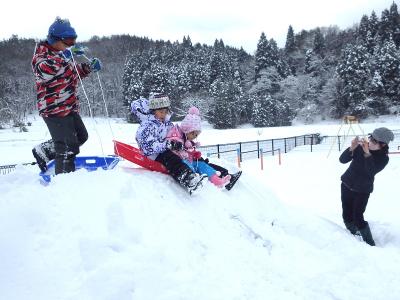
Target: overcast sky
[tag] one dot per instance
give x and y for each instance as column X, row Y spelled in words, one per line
column 238, row 23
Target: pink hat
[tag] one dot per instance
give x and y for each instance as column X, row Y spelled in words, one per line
column 192, row 121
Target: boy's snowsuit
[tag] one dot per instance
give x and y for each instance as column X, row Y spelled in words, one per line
column 58, row 104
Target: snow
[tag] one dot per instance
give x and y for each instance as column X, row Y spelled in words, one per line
column 128, row 233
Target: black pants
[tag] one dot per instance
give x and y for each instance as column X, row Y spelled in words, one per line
column 353, row 206
column 175, row 166
column 68, row 134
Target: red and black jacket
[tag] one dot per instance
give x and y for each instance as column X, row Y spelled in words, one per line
column 56, row 82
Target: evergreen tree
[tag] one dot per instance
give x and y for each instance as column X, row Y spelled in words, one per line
column 377, row 100
column 394, row 19
column 319, row 43
column 353, row 73
column 261, row 58
column 373, row 24
column 222, row 113
column 363, row 28
column 290, row 45
column 384, row 27
column 387, row 64
column 307, row 62
column 262, row 114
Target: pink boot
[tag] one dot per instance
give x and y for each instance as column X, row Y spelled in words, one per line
column 220, row 182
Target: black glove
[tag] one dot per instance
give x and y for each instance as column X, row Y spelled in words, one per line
column 175, row 145
column 86, row 68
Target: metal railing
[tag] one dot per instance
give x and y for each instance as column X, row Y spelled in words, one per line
column 248, row 150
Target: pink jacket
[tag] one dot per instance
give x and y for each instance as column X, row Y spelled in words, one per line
column 190, row 152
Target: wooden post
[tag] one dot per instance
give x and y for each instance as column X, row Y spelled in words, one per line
column 261, row 158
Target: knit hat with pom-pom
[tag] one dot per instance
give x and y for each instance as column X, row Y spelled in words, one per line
column 192, row 121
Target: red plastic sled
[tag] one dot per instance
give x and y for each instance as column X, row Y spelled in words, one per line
column 134, row 155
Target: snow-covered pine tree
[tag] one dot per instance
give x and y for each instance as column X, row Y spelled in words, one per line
column 222, row 113
column 387, row 64
column 363, row 28
column 319, row 43
column 261, row 114
column 394, row 20
column 290, row 45
column 373, row 23
column 385, row 27
column 353, row 72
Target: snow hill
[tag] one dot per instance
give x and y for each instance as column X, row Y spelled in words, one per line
column 128, row 233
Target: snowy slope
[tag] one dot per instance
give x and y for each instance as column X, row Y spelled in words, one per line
column 132, row 234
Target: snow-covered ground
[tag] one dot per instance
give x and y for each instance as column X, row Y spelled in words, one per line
column 128, row 233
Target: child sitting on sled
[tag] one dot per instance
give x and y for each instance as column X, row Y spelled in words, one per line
column 183, row 144
column 151, row 137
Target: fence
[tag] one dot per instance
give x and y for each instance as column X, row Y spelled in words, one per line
column 250, row 150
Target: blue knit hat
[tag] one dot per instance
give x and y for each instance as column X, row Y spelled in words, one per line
column 59, row 30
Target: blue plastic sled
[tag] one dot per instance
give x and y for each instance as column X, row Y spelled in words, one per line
column 90, row 163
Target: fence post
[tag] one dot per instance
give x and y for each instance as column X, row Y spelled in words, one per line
column 258, row 149
column 240, row 150
column 272, row 145
column 295, row 141
column 285, row 143
column 279, row 153
column 312, row 141
column 218, row 150
column 304, row 138
column 238, row 157
column 261, row 158
column 339, row 142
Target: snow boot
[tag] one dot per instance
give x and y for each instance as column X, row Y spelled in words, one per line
column 351, row 227
column 367, row 235
column 43, row 153
column 234, row 178
column 220, row 182
column 193, row 182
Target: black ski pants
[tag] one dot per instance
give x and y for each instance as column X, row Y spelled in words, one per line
column 68, row 134
column 175, row 166
column 353, row 206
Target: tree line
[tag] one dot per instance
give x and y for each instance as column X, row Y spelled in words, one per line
column 319, row 73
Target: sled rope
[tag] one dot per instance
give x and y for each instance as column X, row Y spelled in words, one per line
column 89, row 106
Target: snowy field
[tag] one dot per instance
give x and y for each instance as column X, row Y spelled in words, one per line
column 128, row 233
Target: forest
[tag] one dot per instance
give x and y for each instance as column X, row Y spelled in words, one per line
column 321, row 73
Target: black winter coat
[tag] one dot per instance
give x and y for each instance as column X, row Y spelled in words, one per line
column 360, row 175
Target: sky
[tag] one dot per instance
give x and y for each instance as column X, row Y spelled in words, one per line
column 238, row 24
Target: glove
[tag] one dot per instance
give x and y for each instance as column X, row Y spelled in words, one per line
column 86, row 68
column 66, row 54
column 196, row 154
column 78, row 50
column 95, row 64
column 175, row 145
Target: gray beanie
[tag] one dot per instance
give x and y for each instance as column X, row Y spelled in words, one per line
column 383, row 135
column 157, row 101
